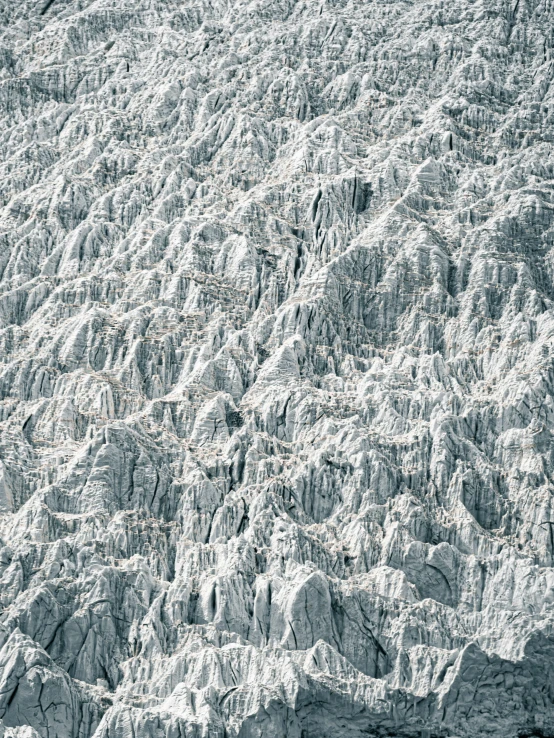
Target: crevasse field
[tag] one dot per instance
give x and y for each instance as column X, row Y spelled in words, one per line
column 276, row 368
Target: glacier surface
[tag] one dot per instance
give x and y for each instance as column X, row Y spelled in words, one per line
column 276, row 368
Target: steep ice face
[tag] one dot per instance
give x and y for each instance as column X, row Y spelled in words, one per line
column 276, row 368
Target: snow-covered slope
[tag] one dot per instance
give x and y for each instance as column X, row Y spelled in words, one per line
column 276, row 368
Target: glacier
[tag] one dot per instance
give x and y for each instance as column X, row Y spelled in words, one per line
column 276, row 369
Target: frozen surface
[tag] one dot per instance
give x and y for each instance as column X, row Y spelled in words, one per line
column 276, row 368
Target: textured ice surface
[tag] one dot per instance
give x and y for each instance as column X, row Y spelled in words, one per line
column 276, row 368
